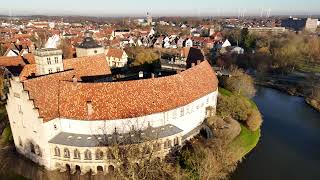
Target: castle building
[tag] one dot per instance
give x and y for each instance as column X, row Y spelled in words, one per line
column 64, row 121
column 89, row 46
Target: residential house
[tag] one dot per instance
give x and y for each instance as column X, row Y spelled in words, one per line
column 116, row 58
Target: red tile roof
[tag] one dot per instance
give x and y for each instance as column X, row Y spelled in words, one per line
column 30, row 58
column 55, row 97
column 27, row 71
column 88, row 66
column 11, row 61
column 116, row 53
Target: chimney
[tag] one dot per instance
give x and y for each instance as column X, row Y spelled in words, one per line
column 74, row 79
column 178, row 71
column 89, row 108
column 141, row 74
column 193, row 64
column 198, row 62
column 152, row 75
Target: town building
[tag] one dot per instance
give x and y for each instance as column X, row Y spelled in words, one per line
column 311, row 25
column 67, row 120
column 89, row 46
column 298, row 24
column 149, row 19
column 117, row 58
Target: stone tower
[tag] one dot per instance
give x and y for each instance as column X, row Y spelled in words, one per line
column 89, row 46
column 149, row 19
column 48, row 60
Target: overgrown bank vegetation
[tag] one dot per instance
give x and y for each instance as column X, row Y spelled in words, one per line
column 289, row 61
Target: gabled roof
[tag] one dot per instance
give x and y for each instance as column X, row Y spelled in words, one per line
column 116, row 53
column 11, row 61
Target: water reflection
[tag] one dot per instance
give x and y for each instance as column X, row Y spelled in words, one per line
column 290, row 143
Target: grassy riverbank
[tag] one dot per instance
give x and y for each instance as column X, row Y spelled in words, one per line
column 245, row 142
column 313, row 103
column 247, row 139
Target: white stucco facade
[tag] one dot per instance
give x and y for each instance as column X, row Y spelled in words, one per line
column 82, row 52
column 115, row 62
column 32, row 135
column 48, row 61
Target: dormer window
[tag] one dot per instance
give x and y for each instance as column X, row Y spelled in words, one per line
column 89, row 108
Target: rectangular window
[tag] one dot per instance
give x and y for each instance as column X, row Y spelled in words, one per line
column 181, row 111
column 89, row 108
column 56, row 60
column 49, row 61
column 58, row 69
column 50, row 70
column 174, row 114
column 17, row 95
column 20, row 109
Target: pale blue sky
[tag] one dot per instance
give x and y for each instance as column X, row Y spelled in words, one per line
column 158, row 7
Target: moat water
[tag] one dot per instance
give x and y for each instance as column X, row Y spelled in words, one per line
column 289, row 147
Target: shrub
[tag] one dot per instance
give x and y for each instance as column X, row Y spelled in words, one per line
column 254, row 120
column 234, row 106
column 239, row 83
column 7, row 135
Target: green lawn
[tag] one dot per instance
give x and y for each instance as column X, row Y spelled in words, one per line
column 308, row 67
column 245, row 142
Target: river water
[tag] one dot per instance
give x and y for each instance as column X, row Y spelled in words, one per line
column 289, row 147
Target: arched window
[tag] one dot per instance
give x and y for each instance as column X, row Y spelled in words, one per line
column 57, row 151
column 76, row 154
column 167, row 144
column 87, row 155
column 156, row 147
column 110, row 155
column 176, row 141
column 66, row 153
column 32, row 148
column 37, row 150
column 20, row 141
column 99, row 155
